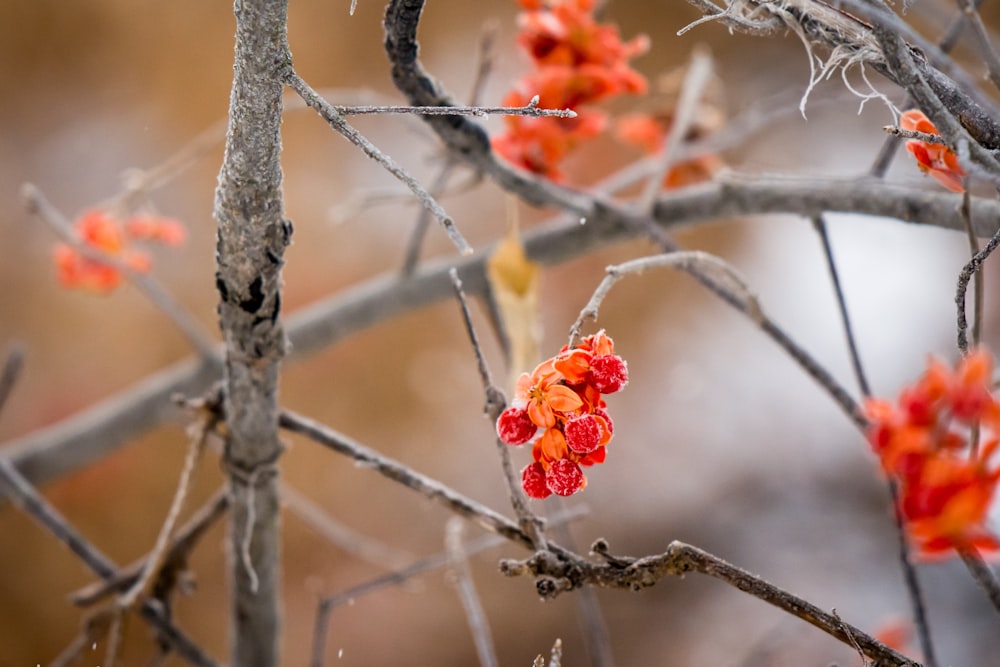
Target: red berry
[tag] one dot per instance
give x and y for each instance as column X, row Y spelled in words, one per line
column 608, row 373
column 533, row 481
column 603, row 414
column 583, row 434
column 564, row 477
column 515, row 427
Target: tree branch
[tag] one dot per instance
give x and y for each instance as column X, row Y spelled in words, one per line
column 252, row 236
column 93, row 433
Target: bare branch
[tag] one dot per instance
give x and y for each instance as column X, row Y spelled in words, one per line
column 458, row 567
column 329, row 113
column 26, row 498
column 531, row 109
column 96, row 431
column 252, row 236
column 696, row 79
column 983, row 574
column 554, row 576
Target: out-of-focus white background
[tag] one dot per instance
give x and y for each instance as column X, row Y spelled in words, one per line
column 720, row 439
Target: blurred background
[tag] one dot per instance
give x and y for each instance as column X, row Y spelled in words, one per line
column 720, row 439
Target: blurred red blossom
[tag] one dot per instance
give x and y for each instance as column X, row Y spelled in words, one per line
column 102, row 232
column 559, row 406
column 935, row 159
column 937, row 442
column 578, row 62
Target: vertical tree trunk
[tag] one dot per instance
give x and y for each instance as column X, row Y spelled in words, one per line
column 252, row 236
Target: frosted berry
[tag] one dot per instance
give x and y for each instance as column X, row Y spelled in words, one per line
column 515, row 427
column 608, row 373
column 583, row 434
column 533, row 481
column 564, row 477
column 603, row 414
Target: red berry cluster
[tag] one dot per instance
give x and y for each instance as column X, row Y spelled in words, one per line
column 558, row 407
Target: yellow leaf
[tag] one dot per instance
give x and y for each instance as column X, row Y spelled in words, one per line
column 513, row 281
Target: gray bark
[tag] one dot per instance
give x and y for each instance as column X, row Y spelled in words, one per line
column 252, row 236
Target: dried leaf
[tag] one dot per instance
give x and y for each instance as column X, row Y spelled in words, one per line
column 513, row 280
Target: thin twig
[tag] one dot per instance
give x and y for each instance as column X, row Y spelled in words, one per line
column 978, row 289
column 184, row 541
column 24, row 496
column 531, row 109
column 484, row 64
column 396, row 471
column 12, row 366
column 983, row 574
column 819, row 224
column 150, row 288
column 972, row 268
column 475, row 615
column 327, row 604
column 690, row 261
column 983, row 42
column 329, row 113
column 925, row 137
column 196, row 445
column 696, row 79
column 495, row 404
column 911, row 580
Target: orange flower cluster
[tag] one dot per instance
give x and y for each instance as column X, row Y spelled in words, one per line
column 936, row 441
column 935, row 159
column 101, row 231
column 561, row 400
column 578, row 62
